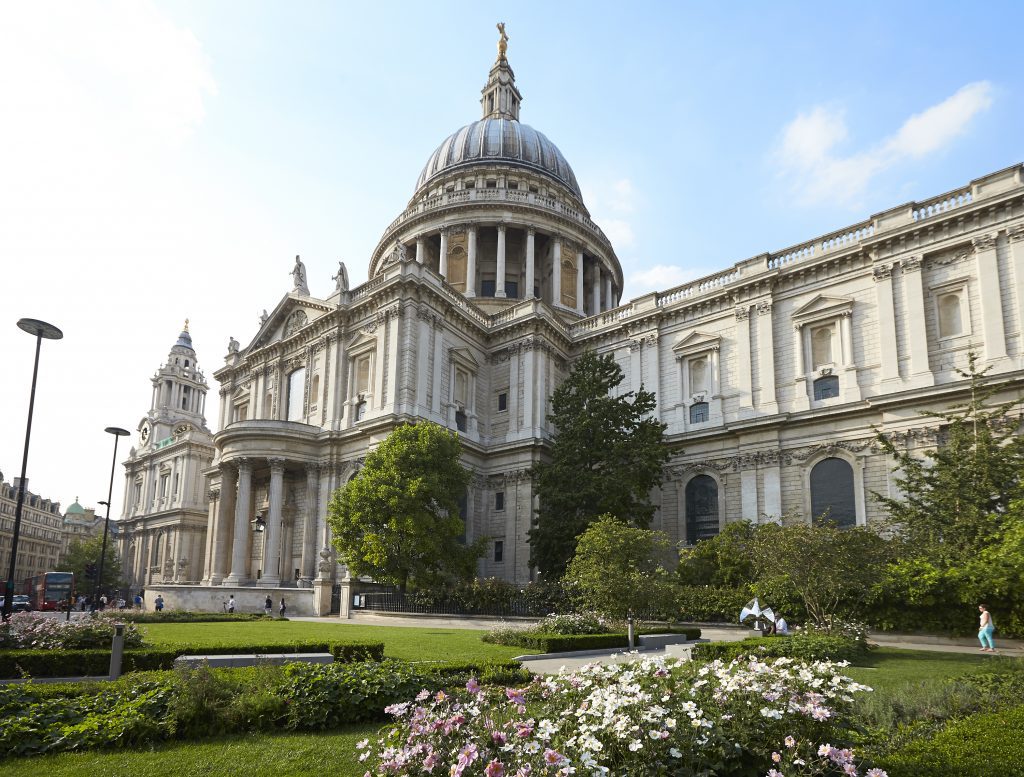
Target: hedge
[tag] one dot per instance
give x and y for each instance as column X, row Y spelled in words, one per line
column 806, row 647
column 96, row 662
column 980, row 745
column 182, row 616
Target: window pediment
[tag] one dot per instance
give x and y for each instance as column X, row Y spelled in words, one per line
column 696, row 342
column 822, row 308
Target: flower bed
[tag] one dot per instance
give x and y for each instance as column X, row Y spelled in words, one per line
column 33, row 630
column 648, row 717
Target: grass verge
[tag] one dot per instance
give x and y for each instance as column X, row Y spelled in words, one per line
column 408, row 644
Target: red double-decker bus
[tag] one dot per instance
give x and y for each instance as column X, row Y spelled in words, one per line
column 50, row 590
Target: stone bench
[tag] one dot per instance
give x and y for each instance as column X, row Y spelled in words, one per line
column 658, row 641
column 683, row 651
column 252, row 659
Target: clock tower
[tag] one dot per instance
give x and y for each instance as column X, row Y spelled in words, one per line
column 163, row 523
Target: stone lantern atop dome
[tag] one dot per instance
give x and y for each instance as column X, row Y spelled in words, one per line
column 498, row 213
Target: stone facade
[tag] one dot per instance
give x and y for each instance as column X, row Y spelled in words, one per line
column 40, row 538
column 772, row 375
column 161, row 534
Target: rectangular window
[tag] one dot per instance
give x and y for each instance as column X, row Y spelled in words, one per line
column 502, row 402
column 296, row 389
column 512, row 289
column 164, row 479
column 499, row 550
column 461, row 388
column 499, row 501
column 487, row 288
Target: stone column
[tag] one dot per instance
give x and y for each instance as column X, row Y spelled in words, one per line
column 917, row 335
column 766, row 357
column 443, row 264
column 801, row 401
column 272, row 546
column 240, row 543
column 743, row 369
column 499, row 278
column 471, row 262
column 596, row 289
column 748, row 495
column 579, row 282
column 322, row 536
column 992, row 328
column 772, row 476
column 888, row 356
column 609, row 299
column 419, row 250
column 211, row 534
column 1015, row 242
column 308, row 562
column 531, row 259
column 556, row 270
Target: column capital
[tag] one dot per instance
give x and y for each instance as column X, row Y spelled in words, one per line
column 882, row 272
column 243, row 463
column 911, row 264
column 764, row 307
column 276, row 463
column 742, row 312
column 531, row 230
column 500, row 227
column 984, row 242
column 442, row 230
column 213, row 493
column 227, row 467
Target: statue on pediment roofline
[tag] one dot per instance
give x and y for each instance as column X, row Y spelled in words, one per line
column 341, row 279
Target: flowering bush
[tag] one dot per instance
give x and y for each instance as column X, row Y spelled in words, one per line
column 640, row 718
column 32, row 630
column 574, row 623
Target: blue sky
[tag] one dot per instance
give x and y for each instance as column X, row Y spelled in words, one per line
column 167, row 160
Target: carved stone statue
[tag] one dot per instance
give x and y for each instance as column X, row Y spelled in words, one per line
column 232, row 345
column 299, row 277
column 342, row 277
column 502, row 41
column 400, row 251
column 264, row 316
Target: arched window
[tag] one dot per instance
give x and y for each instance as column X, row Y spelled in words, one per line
column 951, row 321
column 832, row 492
column 296, row 386
column 698, row 375
column 826, row 387
column 698, row 412
column 701, row 509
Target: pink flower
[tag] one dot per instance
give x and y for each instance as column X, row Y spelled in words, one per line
column 472, row 686
column 877, row 773
column 495, row 769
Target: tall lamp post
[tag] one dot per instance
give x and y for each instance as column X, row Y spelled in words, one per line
column 117, row 432
column 41, row 330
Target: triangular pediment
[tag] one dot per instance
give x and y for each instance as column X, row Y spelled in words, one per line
column 822, row 306
column 465, row 356
column 695, row 342
column 293, row 313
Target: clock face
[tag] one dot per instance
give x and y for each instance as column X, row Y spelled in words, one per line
column 144, row 434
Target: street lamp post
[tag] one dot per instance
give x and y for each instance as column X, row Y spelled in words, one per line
column 117, row 432
column 41, row 330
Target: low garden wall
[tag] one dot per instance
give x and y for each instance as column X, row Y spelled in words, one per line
column 201, row 598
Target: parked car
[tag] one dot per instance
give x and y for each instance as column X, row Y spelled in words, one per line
column 20, row 603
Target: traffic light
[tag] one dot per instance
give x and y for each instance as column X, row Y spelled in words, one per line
column 90, row 571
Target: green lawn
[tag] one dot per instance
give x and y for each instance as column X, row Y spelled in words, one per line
column 889, row 668
column 253, row 755
column 409, row 644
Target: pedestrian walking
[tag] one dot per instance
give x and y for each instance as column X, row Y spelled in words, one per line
column 268, row 606
column 283, row 607
column 986, row 628
column 231, row 604
column 138, row 602
column 159, row 603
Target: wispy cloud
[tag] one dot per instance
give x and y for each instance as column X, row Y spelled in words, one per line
column 807, row 160
column 611, row 204
column 657, row 278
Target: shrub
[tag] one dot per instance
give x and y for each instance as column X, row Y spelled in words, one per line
column 27, row 630
column 711, row 604
column 654, row 717
column 977, row 746
column 805, row 647
column 573, row 623
column 89, row 663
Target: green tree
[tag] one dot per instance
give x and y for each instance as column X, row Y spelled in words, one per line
column 619, row 568
column 727, row 559
column 831, row 569
column 398, row 519
column 957, row 498
column 82, row 553
column 606, row 456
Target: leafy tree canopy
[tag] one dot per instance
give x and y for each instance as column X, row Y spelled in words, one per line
column 606, row 456
column 831, row 569
column 618, row 569
column 81, row 553
column 956, row 499
column 727, row 559
column 398, row 519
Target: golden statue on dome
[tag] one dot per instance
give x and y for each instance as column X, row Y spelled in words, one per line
column 502, row 41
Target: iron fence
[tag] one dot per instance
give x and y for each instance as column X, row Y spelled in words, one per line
column 394, row 601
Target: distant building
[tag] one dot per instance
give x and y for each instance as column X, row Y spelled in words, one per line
column 41, row 538
column 80, row 524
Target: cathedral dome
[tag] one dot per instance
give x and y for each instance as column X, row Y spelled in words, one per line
column 498, row 140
